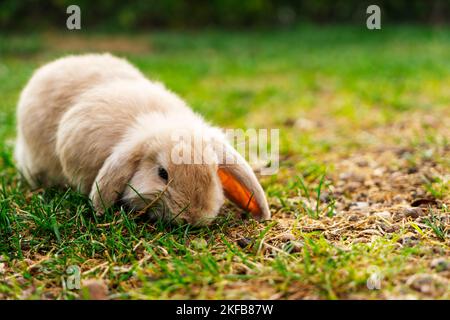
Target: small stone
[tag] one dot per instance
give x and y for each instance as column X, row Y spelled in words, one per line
column 362, row 162
column 440, row 264
column 294, row 246
column 244, row 242
column 405, row 154
column 287, row 236
column 360, row 240
column 383, row 214
column 408, row 239
column 421, row 283
column 378, row 172
column 345, row 175
column 396, row 176
column 427, row 283
column 350, row 176
column 413, row 212
column 359, row 205
column 94, row 289
column 325, row 197
column 199, row 244
column 353, row 186
column 428, row 154
column 418, row 193
column 387, row 229
column 398, row 199
column 412, row 170
column 353, row 218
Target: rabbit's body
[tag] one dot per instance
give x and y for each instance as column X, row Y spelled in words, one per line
column 87, row 90
column 92, row 121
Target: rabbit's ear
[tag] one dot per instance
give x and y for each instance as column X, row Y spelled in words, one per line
column 240, row 184
column 113, row 177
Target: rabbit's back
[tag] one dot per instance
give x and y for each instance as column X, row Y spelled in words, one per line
column 51, row 92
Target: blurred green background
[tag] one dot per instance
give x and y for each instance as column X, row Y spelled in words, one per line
column 141, row 14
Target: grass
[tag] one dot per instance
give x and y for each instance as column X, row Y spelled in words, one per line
column 363, row 120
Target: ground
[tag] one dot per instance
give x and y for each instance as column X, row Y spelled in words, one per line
column 360, row 205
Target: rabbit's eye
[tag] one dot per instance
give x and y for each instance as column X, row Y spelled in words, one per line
column 163, row 174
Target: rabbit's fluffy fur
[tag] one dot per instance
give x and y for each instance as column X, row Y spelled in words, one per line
column 96, row 123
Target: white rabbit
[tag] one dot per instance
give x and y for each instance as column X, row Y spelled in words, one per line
column 96, row 123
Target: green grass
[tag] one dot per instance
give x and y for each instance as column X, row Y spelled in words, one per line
column 380, row 96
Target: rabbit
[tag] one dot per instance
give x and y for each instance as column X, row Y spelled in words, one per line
column 96, row 123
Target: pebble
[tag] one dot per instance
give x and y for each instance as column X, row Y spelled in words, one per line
column 440, row 264
column 412, row 170
column 287, row 236
column 408, row 239
column 378, row 172
column 420, row 282
column 360, row 240
column 383, row 214
column 350, row 176
column 353, row 186
column 326, row 197
column 295, row 246
column 359, row 205
column 199, row 243
column 398, row 199
column 413, row 212
column 362, row 162
column 390, row 229
column 426, row 283
column 244, row 242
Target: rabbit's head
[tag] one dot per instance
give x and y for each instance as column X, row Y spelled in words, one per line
column 180, row 191
column 178, row 175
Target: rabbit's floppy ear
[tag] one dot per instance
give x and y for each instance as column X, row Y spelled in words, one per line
column 116, row 172
column 240, row 184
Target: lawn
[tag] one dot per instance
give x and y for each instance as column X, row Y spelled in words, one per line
column 360, row 205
